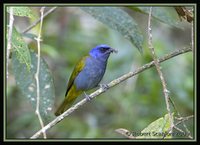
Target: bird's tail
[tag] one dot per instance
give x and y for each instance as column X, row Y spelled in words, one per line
column 69, row 99
column 64, row 106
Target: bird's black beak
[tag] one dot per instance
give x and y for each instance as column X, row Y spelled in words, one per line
column 113, row 50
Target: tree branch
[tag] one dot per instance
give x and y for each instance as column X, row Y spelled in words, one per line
column 111, row 84
column 36, row 22
column 38, row 39
column 192, row 34
column 11, row 20
column 165, row 90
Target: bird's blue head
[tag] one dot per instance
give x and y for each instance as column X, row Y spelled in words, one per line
column 101, row 52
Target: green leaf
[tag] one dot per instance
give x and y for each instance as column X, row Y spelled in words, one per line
column 22, row 11
column 118, row 20
column 163, row 14
column 26, row 82
column 21, row 49
column 157, row 129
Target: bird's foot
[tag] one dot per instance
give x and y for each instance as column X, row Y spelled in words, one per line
column 87, row 96
column 104, row 86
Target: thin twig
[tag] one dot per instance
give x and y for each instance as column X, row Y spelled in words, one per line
column 11, row 20
column 128, row 134
column 38, row 39
column 192, row 34
column 178, row 129
column 36, row 22
column 179, row 115
column 165, row 90
column 111, row 84
column 182, row 119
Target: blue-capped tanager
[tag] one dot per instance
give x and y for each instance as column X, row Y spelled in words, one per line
column 86, row 75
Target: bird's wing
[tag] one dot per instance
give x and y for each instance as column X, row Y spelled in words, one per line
column 77, row 69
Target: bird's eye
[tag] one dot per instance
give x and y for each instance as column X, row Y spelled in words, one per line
column 103, row 49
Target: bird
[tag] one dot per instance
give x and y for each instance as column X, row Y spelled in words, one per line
column 87, row 74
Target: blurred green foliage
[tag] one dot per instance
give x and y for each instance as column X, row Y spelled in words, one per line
column 69, row 33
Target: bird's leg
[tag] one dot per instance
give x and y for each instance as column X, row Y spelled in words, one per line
column 104, row 86
column 87, row 96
